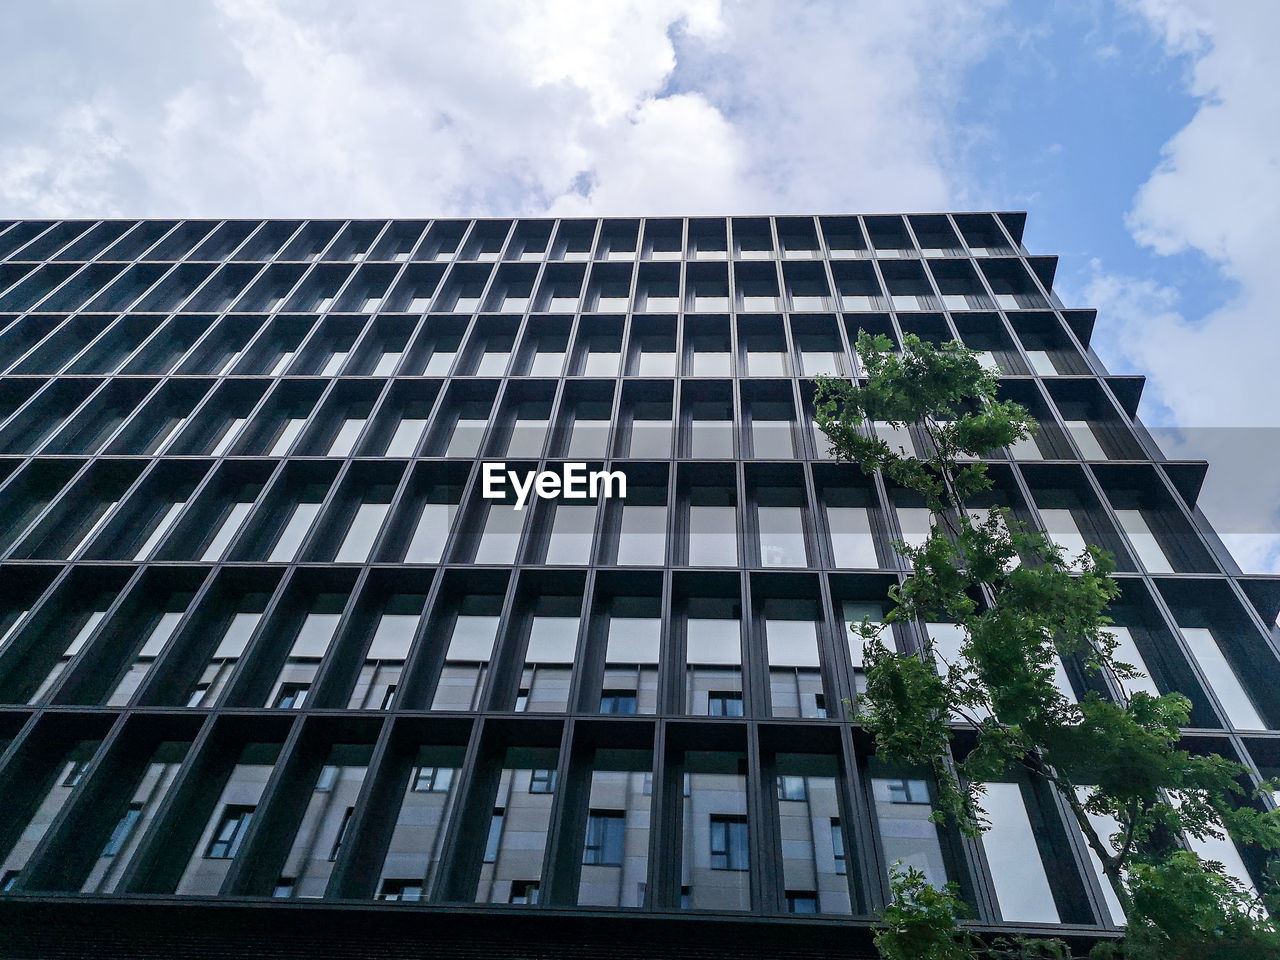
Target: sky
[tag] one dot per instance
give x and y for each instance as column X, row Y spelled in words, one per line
column 1140, row 135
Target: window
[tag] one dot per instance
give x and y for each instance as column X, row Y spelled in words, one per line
column 388, row 697
column 283, row 888
column 618, row 701
column 606, row 830
column 197, row 694
column 820, row 705
column 1017, row 871
column 433, row 779
column 291, row 696
column 908, row 791
column 122, row 830
column 400, row 890
column 729, row 843
column 837, row 846
column 74, row 773
column 802, row 901
column 791, row 788
column 9, row 880
column 342, row 833
column 524, row 892
column 495, row 836
column 230, row 832
column 522, row 700
column 542, row 781
column 724, row 703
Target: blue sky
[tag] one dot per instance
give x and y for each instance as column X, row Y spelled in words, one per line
column 1140, row 135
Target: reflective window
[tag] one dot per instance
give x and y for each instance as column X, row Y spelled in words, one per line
column 643, row 536
column 813, row 853
column 572, row 534
column 782, row 542
column 795, row 680
column 512, row 866
column 501, row 535
column 1143, row 541
column 615, row 851
column 362, row 533
column 852, row 542
column 1086, row 440
column 717, row 854
column 1017, row 871
column 907, row 836
column 467, row 657
column 325, row 823
column 631, row 657
column 713, row 536
column 413, row 854
column 429, row 537
column 548, row 666
column 713, row 651
column 1223, row 679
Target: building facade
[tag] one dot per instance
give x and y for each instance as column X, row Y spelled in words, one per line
column 276, row 678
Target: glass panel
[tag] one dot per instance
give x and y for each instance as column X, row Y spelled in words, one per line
column 404, row 441
column 572, row 534
column 362, row 533
column 429, row 537
column 713, row 678
column 1222, row 679
column 1082, row 433
column 1017, row 871
column 154, row 784
column 501, row 536
column 345, row 439
column 413, row 854
column 310, row 644
column 795, row 680
column 65, row 780
column 716, row 862
column 713, row 536
column 769, row 363
column 388, row 650
column 226, row 532
column 782, row 536
column 815, row 362
column 229, row 821
column 710, row 363
column 615, row 850
column 1127, row 652
column 465, row 441
column 151, row 648
column 235, row 638
column 643, row 537
column 1105, row 826
column 601, row 362
column 1063, row 531
column 915, row 525
column 711, row 439
column 326, row 822
column 907, row 836
column 1143, row 541
column 651, row 437
column 852, row 542
column 813, row 852
column 467, row 659
column 512, row 866
column 546, row 364
column 588, row 438
column 294, row 532
column 548, row 661
column 527, row 437
column 657, row 363
column 771, row 440
column 631, row 662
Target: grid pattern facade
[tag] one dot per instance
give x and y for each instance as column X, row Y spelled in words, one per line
column 263, row 639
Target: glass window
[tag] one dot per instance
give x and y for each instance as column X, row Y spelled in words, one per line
column 615, row 853
column 602, row 359
column 643, row 536
column 518, row 831
column 528, row 433
column 915, row 524
column 766, row 363
column 713, row 536
column 470, row 649
column 729, row 849
column 325, row 824
column 651, row 432
column 465, row 439
column 230, row 832
column 294, row 532
column 1063, row 530
column 362, row 533
column 1223, row 680
column 631, row 662
column 589, row 438
column 711, row 438
column 288, row 434
column 795, row 680
column 771, row 439
column 1017, row 871
column 344, row 440
column 852, row 542
column 782, row 542
column 404, row 440
column 710, row 362
column 1143, row 541
column 227, row 529
column 1087, row 441
column 1127, row 652
column 572, row 534
column 605, row 834
column 431, row 533
column 655, row 362
column 713, row 650
column 1042, row 363
column 553, row 640
column 907, row 836
column 501, row 535
column 546, row 363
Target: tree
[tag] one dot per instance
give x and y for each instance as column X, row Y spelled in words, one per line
column 992, row 707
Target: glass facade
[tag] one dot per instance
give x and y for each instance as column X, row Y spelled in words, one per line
column 263, row 638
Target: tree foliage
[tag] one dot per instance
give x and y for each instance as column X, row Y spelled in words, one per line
column 1113, row 758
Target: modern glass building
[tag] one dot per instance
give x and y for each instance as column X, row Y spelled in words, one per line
column 276, row 679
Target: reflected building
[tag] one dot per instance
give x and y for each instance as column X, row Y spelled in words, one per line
column 277, row 679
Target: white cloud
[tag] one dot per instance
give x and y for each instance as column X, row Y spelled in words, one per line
column 1215, row 191
column 292, row 108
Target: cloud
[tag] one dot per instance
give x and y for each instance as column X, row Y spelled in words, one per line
column 292, row 108
column 1215, row 192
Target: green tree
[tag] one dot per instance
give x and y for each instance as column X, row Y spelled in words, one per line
column 1021, row 602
